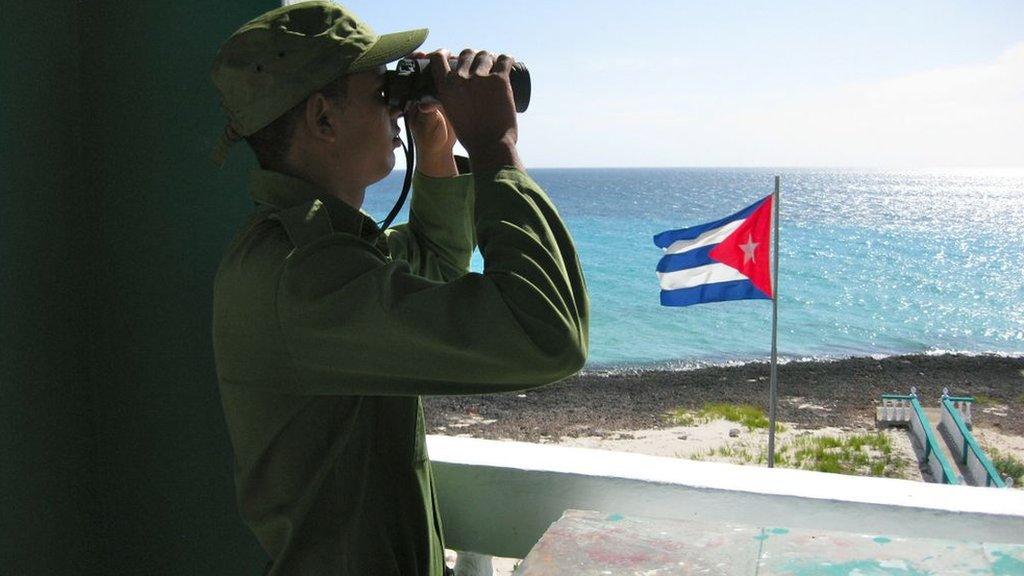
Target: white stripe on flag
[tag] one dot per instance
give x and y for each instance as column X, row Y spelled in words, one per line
column 700, row 275
column 713, row 236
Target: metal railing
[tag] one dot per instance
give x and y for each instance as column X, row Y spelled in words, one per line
column 978, row 469
column 895, row 410
column 921, row 428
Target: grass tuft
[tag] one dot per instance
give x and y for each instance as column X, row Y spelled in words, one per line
column 985, row 400
column 752, row 417
column 681, row 417
column 861, row 454
column 1008, row 465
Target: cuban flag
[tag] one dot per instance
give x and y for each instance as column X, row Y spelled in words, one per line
column 722, row 260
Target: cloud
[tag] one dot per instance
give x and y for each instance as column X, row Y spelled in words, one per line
column 971, row 115
column 956, row 116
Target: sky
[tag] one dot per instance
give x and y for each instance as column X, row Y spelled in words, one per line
column 901, row 84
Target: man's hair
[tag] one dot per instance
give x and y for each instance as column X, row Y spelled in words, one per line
column 272, row 142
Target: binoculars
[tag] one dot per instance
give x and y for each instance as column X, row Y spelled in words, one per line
column 412, row 80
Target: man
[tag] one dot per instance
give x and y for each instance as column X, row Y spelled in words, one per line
column 326, row 332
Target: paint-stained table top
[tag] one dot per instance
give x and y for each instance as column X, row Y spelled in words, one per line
column 583, row 543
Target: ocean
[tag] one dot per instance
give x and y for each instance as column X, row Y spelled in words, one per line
column 871, row 262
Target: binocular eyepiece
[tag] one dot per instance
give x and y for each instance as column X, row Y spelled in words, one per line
column 412, row 80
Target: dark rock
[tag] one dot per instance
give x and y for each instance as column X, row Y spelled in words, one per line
column 852, row 387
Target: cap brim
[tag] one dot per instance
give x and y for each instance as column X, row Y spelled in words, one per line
column 390, row 47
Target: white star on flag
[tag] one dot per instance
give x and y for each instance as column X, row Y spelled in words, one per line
column 748, row 249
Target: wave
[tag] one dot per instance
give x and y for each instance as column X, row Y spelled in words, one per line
column 620, row 369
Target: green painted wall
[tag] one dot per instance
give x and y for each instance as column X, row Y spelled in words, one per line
column 115, row 455
column 46, row 432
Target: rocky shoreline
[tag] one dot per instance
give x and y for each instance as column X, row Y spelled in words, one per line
column 840, row 393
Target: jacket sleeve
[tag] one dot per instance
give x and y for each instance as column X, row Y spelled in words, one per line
column 438, row 240
column 355, row 324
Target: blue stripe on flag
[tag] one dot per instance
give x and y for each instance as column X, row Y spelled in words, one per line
column 665, row 239
column 717, row 292
column 689, row 259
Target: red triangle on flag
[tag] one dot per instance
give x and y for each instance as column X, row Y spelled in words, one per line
column 747, row 248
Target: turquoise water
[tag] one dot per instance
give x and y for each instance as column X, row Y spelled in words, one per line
column 871, row 262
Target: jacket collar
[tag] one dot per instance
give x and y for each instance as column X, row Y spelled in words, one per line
column 280, row 191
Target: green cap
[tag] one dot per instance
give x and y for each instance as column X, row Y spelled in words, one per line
column 278, row 59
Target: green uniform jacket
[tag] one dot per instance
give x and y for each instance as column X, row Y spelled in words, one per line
column 324, row 340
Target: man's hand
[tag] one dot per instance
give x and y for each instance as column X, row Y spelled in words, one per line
column 477, row 97
column 434, row 136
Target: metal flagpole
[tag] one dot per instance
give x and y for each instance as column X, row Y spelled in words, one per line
column 773, row 386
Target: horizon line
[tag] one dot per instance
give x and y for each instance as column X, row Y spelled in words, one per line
column 766, row 167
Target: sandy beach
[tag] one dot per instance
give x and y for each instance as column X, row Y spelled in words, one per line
column 628, row 410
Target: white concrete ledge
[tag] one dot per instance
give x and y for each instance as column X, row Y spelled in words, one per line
column 497, row 498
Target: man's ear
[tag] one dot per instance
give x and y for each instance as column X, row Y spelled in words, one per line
column 317, row 117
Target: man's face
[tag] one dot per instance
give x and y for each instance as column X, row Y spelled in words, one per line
column 367, row 129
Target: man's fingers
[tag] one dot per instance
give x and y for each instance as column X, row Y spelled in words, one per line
column 503, row 66
column 465, row 62
column 482, row 63
column 428, row 107
column 423, row 113
column 439, row 65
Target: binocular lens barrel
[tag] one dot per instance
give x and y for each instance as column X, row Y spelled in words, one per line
column 412, row 80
